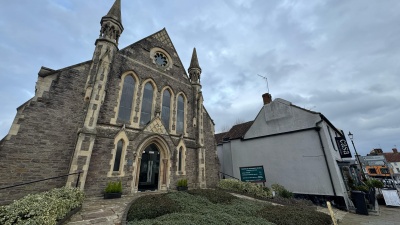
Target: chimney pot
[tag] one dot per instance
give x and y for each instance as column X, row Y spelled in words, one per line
column 267, row 98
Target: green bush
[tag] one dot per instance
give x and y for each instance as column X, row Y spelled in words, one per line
column 374, row 183
column 244, row 187
column 362, row 188
column 182, row 183
column 197, row 209
column 289, row 215
column 44, row 208
column 151, row 206
column 281, row 191
column 114, row 187
column 214, row 196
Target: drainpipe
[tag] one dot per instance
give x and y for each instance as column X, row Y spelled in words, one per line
column 318, row 128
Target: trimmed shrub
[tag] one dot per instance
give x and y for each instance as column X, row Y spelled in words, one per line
column 362, row 188
column 182, row 183
column 44, row 208
column 374, row 183
column 113, row 187
column 244, row 187
column 151, row 206
column 214, row 196
column 197, row 209
column 289, row 215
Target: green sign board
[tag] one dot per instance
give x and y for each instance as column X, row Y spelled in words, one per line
column 252, row 174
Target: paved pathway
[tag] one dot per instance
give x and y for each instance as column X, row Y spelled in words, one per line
column 387, row 216
column 96, row 210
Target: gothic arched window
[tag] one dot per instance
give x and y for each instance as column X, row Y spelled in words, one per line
column 118, row 153
column 166, row 108
column 125, row 104
column 180, row 115
column 180, row 159
column 147, row 104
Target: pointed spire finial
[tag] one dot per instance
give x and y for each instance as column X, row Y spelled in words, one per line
column 111, row 24
column 115, row 11
column 194, row 69
column 194, row 63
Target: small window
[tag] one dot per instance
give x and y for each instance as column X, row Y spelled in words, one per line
column 118, row 153
column 372, row 171
column 180, row 160
column 125, row 104
column 180, row 115
column 147, row 104
column 166, row 108
column 398, row 170
column 384, row 171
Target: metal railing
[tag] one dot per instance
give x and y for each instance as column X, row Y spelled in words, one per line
column 224, row 174
column 50, row 178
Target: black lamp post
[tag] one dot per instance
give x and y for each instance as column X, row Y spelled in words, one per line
column 358, row 157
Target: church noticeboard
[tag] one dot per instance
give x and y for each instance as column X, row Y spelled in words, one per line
column 252, row 174
column 343, row 147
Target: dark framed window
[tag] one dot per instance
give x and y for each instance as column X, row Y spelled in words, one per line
column 372, row 170
column 147, row 104
column 384, row 170
column 125, row 104
column 166, row 108
column 118, row 153
column 180, row 115
column 180, row 159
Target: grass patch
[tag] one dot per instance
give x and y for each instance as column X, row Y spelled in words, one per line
column 151, row 206
column 214, row 196
column 290, row 215
column 208, row 206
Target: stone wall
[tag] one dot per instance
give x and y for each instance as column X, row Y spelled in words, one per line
column 46, row 137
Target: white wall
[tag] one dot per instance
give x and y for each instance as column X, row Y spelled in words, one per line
column 295, row 159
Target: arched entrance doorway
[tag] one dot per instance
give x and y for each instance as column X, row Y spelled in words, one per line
column 149, row 169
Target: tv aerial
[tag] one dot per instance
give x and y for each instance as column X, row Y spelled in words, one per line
column 266, row 80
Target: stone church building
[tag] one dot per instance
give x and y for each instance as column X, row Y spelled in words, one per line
column 132, row 115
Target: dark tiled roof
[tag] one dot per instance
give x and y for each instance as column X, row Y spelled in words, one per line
column 219, row 137
column 392, row 157
column 239, row 130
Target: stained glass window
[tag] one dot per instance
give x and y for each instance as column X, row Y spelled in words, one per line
column 166, row 108
column 125, row 105
column 180, row 115
column 147, row 104
column 180, row 159
column 118, row 153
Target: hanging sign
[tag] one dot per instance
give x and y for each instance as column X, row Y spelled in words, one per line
column 343, row 147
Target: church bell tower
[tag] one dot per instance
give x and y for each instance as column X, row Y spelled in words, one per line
column 103, row 56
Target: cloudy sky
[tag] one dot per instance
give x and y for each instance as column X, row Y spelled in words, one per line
column 336, row 57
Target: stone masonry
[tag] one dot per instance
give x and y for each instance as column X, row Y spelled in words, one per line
column 72, row 122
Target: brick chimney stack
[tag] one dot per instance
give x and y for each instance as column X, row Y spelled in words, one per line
column 267, row 98
column 395, row 150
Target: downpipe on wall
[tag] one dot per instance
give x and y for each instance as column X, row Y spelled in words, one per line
column 318, row 128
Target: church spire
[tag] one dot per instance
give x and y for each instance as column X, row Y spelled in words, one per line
column 111, row 24
column 115, row 11
column 194, row 68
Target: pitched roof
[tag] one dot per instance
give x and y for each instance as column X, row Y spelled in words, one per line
column 219, row 137
column 239, row 130
column 392, row 157
column 236, row 132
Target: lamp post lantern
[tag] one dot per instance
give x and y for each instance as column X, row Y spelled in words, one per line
column 358, row 157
